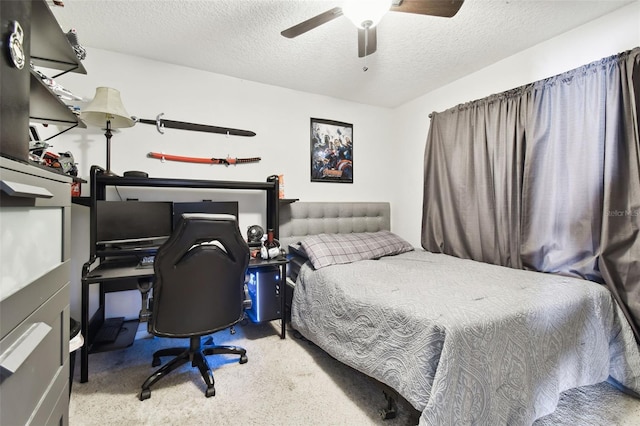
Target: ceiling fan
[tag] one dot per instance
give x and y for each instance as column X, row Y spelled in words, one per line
column 366, row 14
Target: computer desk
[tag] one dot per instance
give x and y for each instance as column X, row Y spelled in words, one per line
column 125, row 274
column 122, row 273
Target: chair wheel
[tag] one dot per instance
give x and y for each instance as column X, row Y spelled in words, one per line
column 156, row 362
column 387, row 414
column 243, row 359
column 210, row 392
column 145, row 394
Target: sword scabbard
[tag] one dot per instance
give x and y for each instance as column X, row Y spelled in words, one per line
column 226, row 161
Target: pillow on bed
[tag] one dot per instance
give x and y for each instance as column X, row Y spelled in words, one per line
column 332, row 249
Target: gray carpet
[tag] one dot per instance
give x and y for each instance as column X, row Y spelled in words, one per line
column 285, row 382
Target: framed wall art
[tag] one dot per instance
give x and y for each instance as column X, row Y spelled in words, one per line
column 331, row 151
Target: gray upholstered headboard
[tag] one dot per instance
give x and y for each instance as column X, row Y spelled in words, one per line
column 297, row 220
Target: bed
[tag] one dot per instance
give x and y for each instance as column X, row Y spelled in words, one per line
column 463, row 342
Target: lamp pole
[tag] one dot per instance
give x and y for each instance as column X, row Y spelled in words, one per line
column 108, row 135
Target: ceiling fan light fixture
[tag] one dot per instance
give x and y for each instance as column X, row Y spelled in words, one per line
column 365, row 13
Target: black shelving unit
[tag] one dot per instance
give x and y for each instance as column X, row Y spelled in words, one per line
column 25, row 97
column 50, row 49
column 49, row 45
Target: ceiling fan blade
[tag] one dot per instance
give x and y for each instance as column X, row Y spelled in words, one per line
column 312, row 23
column 367, row 41
column 444, row 8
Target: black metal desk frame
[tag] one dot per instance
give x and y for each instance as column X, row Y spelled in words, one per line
column 121, row 274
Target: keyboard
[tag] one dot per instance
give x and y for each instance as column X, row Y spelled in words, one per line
column 109, row 331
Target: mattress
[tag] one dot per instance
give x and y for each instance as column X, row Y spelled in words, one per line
column 466, row 342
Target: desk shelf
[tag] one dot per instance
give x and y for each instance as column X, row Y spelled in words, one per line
column 117, row 271
column 82, row 201
column 288, row 200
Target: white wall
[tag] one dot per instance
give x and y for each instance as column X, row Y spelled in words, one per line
column 611, row 34
column 280, row 117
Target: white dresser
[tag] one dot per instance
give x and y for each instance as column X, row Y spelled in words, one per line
column 35, row 211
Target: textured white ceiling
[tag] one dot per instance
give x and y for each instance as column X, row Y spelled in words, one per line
column 241, row 38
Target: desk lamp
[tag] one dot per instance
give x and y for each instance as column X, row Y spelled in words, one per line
column 106, row 108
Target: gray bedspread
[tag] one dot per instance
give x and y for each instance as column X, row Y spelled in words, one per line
column 467, row 343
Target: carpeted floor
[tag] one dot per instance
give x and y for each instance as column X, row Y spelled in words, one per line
column 285, row 382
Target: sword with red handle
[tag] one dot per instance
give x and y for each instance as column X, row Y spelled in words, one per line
column 226, row 161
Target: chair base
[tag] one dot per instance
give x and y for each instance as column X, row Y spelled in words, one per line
column 196, row 353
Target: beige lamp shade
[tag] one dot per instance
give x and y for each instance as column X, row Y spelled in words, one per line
column 106, row 106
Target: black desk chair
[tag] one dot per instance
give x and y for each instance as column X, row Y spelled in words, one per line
column 198, row 289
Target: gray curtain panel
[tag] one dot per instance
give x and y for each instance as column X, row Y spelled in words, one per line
column 544, row 177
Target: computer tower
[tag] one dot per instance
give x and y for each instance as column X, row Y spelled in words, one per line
column 264, row 290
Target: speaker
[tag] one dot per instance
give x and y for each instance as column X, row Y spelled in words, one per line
column 264, row 290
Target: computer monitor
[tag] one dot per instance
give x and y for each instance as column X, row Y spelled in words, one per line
column 215, row 207
column 133, row 222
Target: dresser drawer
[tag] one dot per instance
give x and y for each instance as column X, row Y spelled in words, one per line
column 35, row 218
column 15, row 308
column 34, row 364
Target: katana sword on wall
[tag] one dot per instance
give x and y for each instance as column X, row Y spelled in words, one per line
column 161, row 124
column 226, row 161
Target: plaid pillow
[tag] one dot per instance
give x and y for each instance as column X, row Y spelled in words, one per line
column 332, row 249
